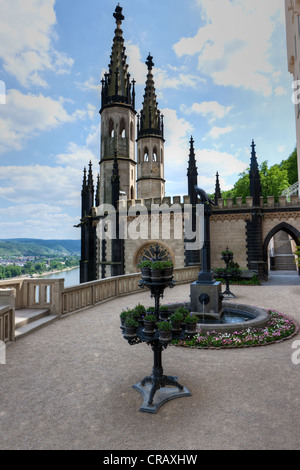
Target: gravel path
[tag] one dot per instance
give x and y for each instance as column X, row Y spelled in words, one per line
column 69, row 386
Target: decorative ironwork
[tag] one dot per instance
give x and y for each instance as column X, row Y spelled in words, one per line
column 154, row 387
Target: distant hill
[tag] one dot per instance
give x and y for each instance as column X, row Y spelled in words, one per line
column 36, row 247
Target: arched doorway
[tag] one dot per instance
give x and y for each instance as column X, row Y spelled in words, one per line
column 279, row 246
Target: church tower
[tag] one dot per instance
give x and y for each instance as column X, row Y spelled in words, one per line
column 150, row 143
column 117, row 120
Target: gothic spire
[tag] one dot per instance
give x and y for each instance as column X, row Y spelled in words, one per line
column 192, row 174
column 218, row 193
column 150, row 121
column 116, row 85
column 255, row 184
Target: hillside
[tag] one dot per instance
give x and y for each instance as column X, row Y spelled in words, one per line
column 18, row 247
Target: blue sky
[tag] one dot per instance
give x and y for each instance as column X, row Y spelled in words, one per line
column 220, row 75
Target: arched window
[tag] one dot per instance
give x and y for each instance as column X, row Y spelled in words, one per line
column 131, row 132
column 111, row 128
column 146, row 154
column 162, row 157
column 122, row 129
column 132, row 193
column 154, row 154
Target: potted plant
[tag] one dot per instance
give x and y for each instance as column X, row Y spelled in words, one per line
column 149, row 323
column 156, row 269
column 123, row 315
column 131, row 326
column 168, row 270
column 227, row 255
column 164, row 312
column 150, row 310
column 139, row 312
column 144, row 265
column 176, row 319
column 191, row 323
column 165, row 329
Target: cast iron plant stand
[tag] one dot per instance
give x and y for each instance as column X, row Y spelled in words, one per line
column 154, row 387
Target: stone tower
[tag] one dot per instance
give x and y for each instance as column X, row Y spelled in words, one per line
column 150, row 143
column 117, row 120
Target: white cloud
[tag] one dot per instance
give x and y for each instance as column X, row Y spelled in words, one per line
column 162, row 77
column 25, row 116
column 216, row 132
column 27, row 36
column 233, row 46
column 280, row 91
column 211, row 109
column 38, row 220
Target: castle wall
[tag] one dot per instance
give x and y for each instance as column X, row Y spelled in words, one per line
column 228, row 228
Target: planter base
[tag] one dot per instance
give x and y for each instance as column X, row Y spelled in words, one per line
column 161, row 396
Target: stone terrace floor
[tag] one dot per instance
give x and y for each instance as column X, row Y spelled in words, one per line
column 69, row 386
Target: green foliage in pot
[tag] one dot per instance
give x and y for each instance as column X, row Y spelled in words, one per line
column 150, row 310
column 177, row 316
column 157, row 265
column 191, row 318
column 131, row 322
column 167, row 264
column 182, row 310
column 125, row 313
column 139, row 310
column 164, row 326
column 144, row 264
column 164, row 308
column 150, row 318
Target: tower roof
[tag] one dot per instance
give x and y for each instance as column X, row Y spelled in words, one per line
column 150, row 119
column 116, row 85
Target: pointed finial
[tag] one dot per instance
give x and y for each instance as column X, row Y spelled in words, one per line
column 149, row 62
column 119, row 17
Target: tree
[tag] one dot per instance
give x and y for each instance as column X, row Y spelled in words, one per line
column 273, row 181
column 291, row 165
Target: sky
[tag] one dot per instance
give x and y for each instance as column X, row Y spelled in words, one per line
column 220, row 76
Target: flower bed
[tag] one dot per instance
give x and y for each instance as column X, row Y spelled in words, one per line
column 279, row 328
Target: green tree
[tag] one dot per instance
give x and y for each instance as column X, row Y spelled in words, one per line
column 291, row 165
column 273, row 180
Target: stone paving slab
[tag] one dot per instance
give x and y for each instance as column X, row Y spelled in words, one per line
column 69, row 386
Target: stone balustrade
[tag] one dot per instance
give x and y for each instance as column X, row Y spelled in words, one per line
column 7, row 315
column 91, row 293
column 51, row 294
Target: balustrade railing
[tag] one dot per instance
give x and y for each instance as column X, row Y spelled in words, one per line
column 7, row 315
column 51, row 293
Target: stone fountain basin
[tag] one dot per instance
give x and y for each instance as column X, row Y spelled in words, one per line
column 258, row 318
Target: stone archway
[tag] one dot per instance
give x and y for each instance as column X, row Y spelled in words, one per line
column 289, row 229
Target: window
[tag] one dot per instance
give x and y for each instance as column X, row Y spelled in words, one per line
column 146, row 154
column 122, row 129
column 131, row 132
column 154, row 154
column 111, row 128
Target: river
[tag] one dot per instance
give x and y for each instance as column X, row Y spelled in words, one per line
column 71, row 277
